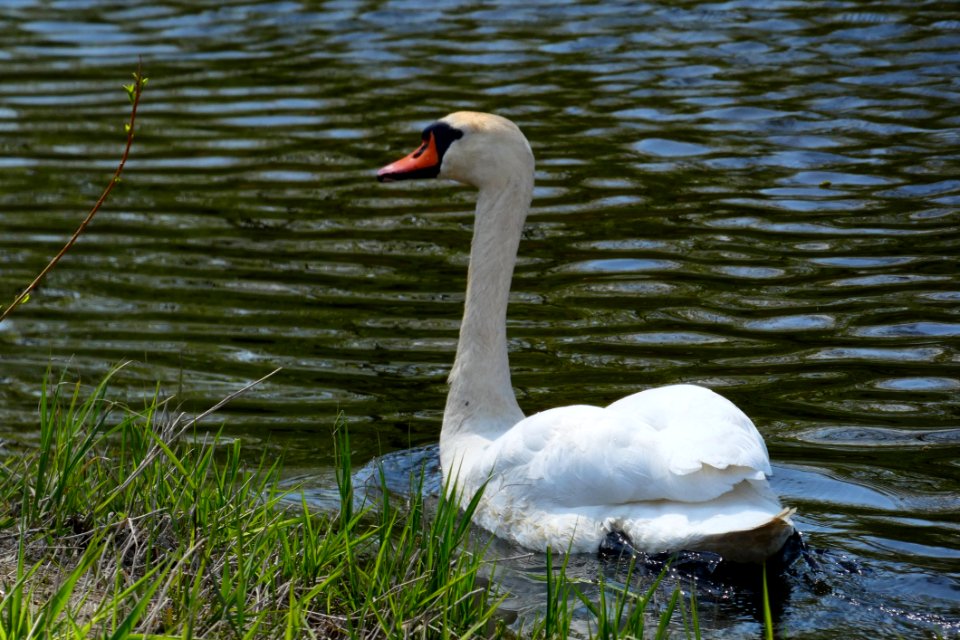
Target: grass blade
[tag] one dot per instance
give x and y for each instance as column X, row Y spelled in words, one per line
column 767, row 615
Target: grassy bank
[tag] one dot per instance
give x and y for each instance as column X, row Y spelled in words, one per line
column 126, row 522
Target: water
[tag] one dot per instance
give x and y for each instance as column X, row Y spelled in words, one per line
column 762, row 197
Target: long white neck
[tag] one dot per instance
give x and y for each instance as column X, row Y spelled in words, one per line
column 481, row 403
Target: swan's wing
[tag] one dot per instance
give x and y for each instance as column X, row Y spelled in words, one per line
column 572, row 456
column 629, row 452
column 699, row 427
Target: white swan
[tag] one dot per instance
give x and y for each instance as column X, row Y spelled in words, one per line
column 677, row 467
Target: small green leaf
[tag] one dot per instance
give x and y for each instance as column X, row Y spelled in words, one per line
column 126, row 127
column 26, row 299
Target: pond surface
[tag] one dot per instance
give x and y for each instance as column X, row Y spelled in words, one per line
column 761, row 197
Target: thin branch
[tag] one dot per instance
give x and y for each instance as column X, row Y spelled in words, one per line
column 134, row 90
column 180, row 419
column 227, row 399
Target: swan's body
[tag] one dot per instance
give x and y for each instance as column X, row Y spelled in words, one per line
column 677, row 467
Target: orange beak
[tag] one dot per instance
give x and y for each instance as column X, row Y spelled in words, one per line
column 422, row 163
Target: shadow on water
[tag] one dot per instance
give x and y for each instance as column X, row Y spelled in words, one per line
column 729, row 596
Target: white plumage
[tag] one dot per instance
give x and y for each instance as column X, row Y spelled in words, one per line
column 675, row 467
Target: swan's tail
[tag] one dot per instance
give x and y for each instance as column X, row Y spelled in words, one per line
column 753, row 545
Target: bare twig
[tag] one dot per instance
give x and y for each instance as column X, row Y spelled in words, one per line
column 134, row 91
column 227, row 399
column 186, row 424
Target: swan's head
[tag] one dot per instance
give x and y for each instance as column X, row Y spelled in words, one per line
column 479, row 149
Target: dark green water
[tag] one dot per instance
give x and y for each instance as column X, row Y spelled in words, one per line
column 762, row 197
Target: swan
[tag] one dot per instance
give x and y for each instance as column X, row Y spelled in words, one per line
column 666, row 469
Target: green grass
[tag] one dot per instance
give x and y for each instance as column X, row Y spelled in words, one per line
column 118, row 526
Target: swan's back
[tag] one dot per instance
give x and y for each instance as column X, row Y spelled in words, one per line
column 680, row 443
column 672, row 468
